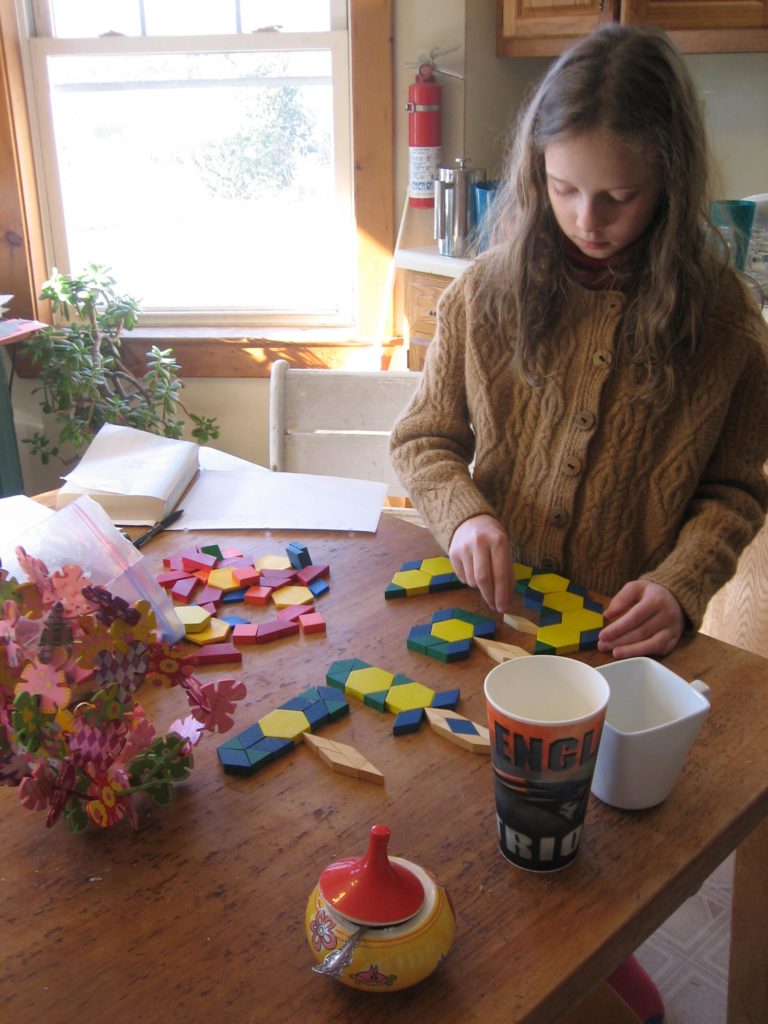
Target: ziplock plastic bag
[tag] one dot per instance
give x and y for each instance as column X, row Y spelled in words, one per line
column 83, row 534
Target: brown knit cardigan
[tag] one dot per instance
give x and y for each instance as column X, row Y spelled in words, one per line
column 585, row 480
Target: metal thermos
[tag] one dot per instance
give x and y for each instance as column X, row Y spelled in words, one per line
column 454, row 217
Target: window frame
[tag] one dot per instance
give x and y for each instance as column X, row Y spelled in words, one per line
column 49, row 185
column 249, row 352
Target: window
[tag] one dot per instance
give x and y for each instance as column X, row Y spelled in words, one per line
column 202, row 150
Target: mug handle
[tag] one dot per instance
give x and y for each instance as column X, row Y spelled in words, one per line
column 700, row 687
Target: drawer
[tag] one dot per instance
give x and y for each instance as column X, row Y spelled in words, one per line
column 421, row 296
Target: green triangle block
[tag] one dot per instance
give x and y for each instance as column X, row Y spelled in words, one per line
column 393, row 590
column 233, row 743
column 213, row 549
column 311, row 694
column 336, row 709
column 400, row 680
column 338, row 673
column 441, row 652
column 419, row 644
column 472, row 617
column 258, row 758
column 542, row 648
column 376, row 700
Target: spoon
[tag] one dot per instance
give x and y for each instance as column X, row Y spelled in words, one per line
column 338, row 959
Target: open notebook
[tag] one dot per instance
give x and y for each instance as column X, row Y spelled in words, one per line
column 136, row 477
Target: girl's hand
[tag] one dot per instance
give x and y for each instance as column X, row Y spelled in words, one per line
column 643, row 619
column 479, row 553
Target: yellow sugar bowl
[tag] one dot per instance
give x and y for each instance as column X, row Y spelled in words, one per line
column 378, row 923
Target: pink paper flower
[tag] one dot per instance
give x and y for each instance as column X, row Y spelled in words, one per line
column 140, row 735
column 36, row 790
column 189, row 729
column 68, row 585
column 220, row 698
column 47, row 681
column 38, row 575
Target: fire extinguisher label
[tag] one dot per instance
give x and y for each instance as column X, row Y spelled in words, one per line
column 423, row 164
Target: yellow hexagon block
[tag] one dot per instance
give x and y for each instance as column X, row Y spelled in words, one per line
column 522, row 572
column 413, row 580
column 563, row 601
column 214, row 633
column 287, row 597
column 564, row 639
column 194, row 618
column 452, row 630
column 367, row 680
column 437, row 566
column 547, row 582
column 408, row 696
column 285, row 724
column 273, row 562
column 223, row 579
column 583, row 619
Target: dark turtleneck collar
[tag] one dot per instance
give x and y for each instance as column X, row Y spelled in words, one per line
column 597, row 274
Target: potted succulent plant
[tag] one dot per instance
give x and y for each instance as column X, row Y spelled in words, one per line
column 83, row 379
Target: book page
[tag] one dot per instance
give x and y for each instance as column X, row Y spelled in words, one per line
column 121, row 460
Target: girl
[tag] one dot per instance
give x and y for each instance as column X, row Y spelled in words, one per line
column 595, row 402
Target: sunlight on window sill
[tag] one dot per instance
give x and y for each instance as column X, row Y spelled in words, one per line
column 250, row 352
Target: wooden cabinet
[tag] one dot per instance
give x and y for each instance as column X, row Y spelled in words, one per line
column 541, row 28
column 422, row 292
column 533, row 28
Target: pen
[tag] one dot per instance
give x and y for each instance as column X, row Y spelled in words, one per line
column 142, row 539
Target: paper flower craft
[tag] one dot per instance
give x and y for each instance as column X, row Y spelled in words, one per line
column 73, row 737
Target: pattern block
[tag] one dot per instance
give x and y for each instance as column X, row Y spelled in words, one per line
column 340, row 757
column 202, row 579
column 569, row 620
column 425, row 576
column 459, row 730
column 498, row 651
column 279, row 731
column 448, row 637
column 385, row 691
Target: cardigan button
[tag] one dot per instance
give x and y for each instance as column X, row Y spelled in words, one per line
column 584, row 420
column 602, row 358
column 550, row 564
column 572, row 466
column 560, row 517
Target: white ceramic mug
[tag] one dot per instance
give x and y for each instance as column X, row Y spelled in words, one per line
column 653, row 717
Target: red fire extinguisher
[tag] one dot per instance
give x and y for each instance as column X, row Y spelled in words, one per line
column 423, row 108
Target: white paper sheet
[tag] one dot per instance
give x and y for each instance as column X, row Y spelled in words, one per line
column 212, row 458
column 256, row 498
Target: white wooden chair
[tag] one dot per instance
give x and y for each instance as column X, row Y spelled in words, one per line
column 337, row 422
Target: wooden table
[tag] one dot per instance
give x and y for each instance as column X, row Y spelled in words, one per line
column 198, row 917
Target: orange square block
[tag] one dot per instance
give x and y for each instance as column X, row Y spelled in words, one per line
column 257, row 595
column 312, row 622
column 243, row 634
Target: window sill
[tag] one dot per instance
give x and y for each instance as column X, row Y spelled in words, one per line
column 249, row 352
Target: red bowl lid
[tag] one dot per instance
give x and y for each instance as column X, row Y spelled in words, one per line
column 372, row 890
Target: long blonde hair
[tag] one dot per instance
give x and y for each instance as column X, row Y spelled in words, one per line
column 633, row 84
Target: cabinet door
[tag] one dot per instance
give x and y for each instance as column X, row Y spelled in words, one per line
column 704, row 26
column 422, row 292
column 693, row 14
column 543, row 28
